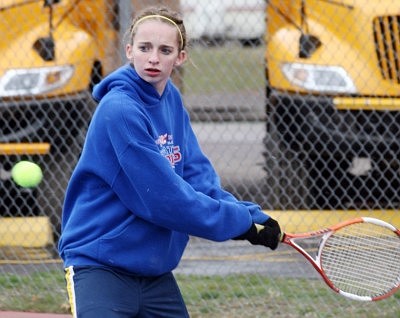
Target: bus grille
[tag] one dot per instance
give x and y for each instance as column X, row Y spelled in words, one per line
column 387, row 45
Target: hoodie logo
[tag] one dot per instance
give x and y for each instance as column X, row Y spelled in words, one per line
column 167, row 148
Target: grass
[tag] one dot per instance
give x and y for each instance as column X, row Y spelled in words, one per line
column 211, row 296
column 257, row 296
column 38, row 292
column 228, row 68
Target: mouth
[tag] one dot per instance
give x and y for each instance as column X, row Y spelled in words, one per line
column 152, row 71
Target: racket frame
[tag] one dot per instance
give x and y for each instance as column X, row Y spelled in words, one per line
column 324, row 234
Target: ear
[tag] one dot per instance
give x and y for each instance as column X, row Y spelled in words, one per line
column 128, row 52
column 182, row 56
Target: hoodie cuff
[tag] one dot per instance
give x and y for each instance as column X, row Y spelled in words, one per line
column 257, row 215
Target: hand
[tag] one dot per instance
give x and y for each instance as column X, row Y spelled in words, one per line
column 267, row 234
column 270, row 234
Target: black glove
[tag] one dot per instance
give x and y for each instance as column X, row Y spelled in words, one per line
column 270, row 235
column 267, row 235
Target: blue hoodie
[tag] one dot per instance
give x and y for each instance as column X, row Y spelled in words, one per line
column 142, row 184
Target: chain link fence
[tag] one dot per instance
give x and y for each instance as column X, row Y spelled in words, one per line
column 294, row 102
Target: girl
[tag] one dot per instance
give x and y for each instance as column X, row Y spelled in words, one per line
column 142, row 186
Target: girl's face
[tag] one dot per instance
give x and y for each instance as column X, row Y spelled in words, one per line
column 155, row 52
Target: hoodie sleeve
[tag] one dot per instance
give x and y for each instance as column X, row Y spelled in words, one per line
column 149, row 187
column 199, row 172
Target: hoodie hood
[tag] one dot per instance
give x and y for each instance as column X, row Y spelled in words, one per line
column 127, row 80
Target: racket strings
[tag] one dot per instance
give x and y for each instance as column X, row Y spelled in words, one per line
column 357, row 275
column 362, row 259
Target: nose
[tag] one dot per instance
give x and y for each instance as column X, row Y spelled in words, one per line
column 153, row 58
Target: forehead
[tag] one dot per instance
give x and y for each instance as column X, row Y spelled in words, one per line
column 153, row 30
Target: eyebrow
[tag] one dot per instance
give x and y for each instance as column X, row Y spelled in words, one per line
column 150, row 43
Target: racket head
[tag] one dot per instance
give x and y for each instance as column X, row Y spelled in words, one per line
column 358, row 258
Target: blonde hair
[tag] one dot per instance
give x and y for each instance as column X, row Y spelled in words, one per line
column 163, row 14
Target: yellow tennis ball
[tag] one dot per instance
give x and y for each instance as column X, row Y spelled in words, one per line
column 27, row 174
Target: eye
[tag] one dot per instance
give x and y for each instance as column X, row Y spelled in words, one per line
column 166, row 50
column 144, row 47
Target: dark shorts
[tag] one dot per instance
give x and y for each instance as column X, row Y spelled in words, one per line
column 104, row 292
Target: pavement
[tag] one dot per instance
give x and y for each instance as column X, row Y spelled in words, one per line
column 14, row 314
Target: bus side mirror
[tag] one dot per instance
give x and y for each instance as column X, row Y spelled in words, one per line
column 45, row 47
column 308, row 44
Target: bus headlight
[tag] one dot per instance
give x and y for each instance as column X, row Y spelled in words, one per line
column 34, row 81
column 319, row 78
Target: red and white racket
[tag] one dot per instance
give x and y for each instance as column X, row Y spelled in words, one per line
column 358, row 258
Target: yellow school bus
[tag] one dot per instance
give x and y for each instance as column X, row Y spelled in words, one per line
column 333, row 101
column 52, row 53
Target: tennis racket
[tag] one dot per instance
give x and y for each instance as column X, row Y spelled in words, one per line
column 358, row 258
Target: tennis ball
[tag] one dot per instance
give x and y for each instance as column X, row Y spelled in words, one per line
column 27, row 174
